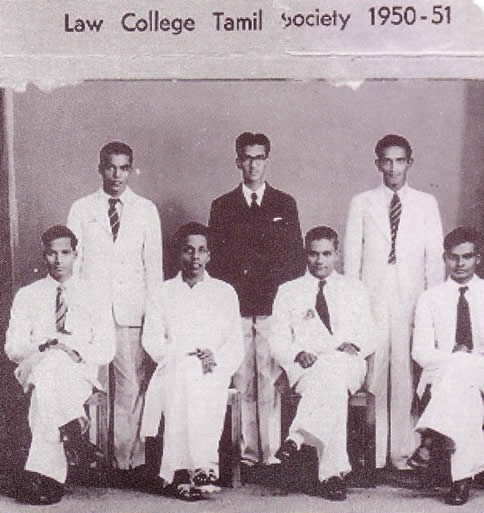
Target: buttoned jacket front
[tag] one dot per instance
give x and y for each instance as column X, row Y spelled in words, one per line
column 435, row 325
column 296, row 325
column 418, row 243
column 127, row 269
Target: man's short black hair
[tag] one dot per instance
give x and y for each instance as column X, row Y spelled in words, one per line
column 250, row 139
column 321, row 232
column 187, row 229
column 393, row 140
column 114, row 148
column 58, row 231
column 463, row 234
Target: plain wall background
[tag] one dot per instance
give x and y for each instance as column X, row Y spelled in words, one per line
column 183, row 137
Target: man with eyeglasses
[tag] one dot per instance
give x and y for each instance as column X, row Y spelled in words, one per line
column 393, row 244
column 257, row 245
column 120, row 250
column 448, row 343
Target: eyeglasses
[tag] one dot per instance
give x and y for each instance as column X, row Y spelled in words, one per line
column 189, row 250
column 250, row 158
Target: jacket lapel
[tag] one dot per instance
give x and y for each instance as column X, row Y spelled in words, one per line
column 378, row 211
column 101, row 212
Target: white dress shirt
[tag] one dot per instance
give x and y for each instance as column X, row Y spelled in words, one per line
column 180, row 320
column 248, row 194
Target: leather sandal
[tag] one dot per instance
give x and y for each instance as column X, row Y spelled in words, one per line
column 188, row 492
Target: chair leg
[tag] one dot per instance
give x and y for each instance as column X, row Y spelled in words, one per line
column 234, row 400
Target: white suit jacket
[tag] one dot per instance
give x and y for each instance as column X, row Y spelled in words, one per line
column 128, row 269
column 435, row 324
column 32, row 322
column 418, row 245
column 296, row 325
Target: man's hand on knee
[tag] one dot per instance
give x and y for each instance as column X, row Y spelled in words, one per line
column 305, row 359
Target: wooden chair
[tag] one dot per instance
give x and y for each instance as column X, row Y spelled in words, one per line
column 360, row 431
column 229, row 447
column 97, row 411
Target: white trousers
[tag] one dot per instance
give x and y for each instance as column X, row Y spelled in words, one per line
column 392, row 383
column 322, row 412
column 260, row 402
column 195, row 406
column 60, row 391
column 456, row 411
column 130, row 380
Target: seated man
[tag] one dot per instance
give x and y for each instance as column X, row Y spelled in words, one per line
column 321, row 335
column 448, row 345
column 193, row 331
column 59, row 333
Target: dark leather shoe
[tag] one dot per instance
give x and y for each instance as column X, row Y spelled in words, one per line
column 420, row 459
column 459, row 492
column 333, row 489
column 39, row 490
column 80, row 452
column 287, row 450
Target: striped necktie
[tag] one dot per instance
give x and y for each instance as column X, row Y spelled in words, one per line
column 395, row 213
column 463, row 329
column 114, row 217
column 60, row 309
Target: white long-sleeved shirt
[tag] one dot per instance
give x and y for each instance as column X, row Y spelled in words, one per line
column 181, row 319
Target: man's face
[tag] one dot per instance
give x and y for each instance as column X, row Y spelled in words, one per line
column 253, row 162
column 394, row 164
column 461, row 262
column 321, row 257
column 115, row 172
column 194, row 256
column 59, row 257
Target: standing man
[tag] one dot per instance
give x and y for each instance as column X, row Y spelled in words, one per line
column 449, row 345
column 120, row 250
column 257, row 245
column 322, row 333
column 393, row 244
column 193, row 332
column 60, row 331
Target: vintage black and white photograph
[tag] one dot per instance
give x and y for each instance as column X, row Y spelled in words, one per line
column 242, row 296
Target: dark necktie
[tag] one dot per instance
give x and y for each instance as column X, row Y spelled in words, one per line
column 254, row 206
column 463, row 329
column 322, row 306
column 60, row 310
column 395, row 213
column 114, row 217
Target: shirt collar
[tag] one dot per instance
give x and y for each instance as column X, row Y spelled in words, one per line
column 456, row 286
column 389, row 193
column 54, row 283
column 126, row 197
column 181, row 283
column 248, row 193
column 315, row 281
